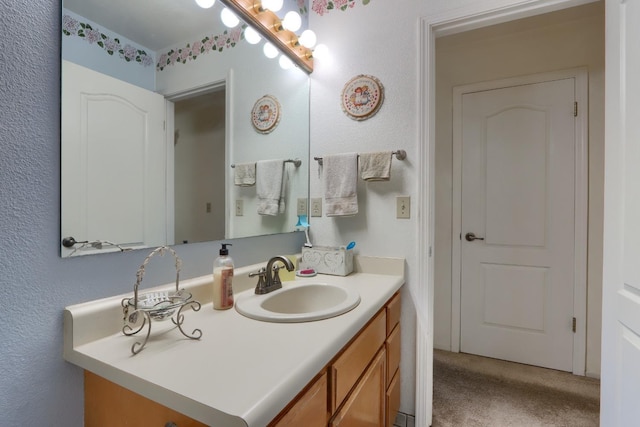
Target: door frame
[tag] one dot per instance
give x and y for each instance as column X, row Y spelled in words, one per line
column 580, row 203
column 228, row 84
column 452, row 21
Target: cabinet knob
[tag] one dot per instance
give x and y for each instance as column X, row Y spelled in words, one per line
column 171, row 424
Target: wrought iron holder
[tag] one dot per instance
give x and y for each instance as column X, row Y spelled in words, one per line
column 157, row 305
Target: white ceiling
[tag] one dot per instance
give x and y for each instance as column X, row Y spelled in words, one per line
column 154, row 24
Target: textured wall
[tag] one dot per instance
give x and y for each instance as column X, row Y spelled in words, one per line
column 38, row 388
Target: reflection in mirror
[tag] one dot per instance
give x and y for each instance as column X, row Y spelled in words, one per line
column 155, row 114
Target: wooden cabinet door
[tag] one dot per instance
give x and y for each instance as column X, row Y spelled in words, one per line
column 107, row 404
column 365, row 407
column 392, row 400
column 310, row 409
column 348, row 367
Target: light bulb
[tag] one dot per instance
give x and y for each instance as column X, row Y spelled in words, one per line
column 321, row 51
column 308, row 39
column 292, row 21
column 251, row 36
column 205, row 4
column 285, row 62
column 229, row 18
column 272, row 5
column 270, row 51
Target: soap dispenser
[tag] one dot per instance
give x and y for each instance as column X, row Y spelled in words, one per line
column 222, row 280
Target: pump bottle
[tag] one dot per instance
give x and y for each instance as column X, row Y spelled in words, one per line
column 222, row 280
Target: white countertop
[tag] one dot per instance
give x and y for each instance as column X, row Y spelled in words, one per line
column 242, row 372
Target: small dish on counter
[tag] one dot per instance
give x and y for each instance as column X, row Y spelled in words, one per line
column 308, row 272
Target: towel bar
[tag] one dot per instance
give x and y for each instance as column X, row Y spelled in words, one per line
column 296, row 162
column 400, row 155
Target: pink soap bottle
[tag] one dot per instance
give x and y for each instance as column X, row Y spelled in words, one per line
column 222, row 280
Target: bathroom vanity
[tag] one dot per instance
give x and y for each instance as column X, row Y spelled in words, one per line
column 245, row 372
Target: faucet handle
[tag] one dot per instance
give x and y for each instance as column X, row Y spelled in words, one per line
column 262, row 285
column 276, row 275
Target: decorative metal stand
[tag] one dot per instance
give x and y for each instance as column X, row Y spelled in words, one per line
column 157, row 305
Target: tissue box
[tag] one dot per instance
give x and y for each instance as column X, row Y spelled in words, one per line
column 328, row 260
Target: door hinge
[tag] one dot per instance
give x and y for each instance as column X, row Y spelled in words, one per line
column 575, row 109
column 574, row 325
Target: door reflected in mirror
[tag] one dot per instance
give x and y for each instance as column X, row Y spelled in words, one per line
column 155, row 115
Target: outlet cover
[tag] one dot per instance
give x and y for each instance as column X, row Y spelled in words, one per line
column 403, row 207
column 302, row 206
column 316, row 206
column 239, row 207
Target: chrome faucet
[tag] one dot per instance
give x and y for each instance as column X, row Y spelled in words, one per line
column 269, row 279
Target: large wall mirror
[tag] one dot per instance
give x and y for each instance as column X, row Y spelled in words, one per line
column 162, row 105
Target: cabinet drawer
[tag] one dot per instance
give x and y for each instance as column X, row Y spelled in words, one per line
column 310, row 409
column 366, row 405
column 393, row 313
column 393, row 353
column 392, row 400
column 348, row 367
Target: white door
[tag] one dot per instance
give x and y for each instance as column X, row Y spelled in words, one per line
column 620, row 385
column 113, row 160
column 517, row 276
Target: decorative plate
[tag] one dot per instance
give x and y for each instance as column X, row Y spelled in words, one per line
column 265, row 115
column 362, row 97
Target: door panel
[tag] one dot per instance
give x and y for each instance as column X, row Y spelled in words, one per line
column 113, row 171
column 516, row 191
column 515, row 296
column 518, row 153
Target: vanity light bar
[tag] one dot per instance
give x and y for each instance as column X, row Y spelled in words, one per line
column 296, row 162
column 400, row 155
column 269, row 26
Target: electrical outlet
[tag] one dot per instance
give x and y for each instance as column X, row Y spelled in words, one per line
column 302, row 206
column 239, row 207
column 208, row 208
column 403, row 207
column 316, row 206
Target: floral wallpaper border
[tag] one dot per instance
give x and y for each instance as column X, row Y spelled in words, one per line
column 212, row 43
column 111, row 45
column 325, row 6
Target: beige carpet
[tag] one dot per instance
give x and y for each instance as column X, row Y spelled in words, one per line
column 477, row 392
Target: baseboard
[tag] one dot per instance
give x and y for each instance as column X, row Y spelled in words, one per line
column 595, row 375
column 404, row 420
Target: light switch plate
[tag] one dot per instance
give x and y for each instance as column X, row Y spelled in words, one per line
column 403, row 207
column 239, row 207
column 316, row 206
column 302, row 206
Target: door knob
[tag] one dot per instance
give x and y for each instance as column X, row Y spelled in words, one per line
column 471, row 237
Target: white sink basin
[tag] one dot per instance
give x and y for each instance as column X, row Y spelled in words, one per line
column 304, row 302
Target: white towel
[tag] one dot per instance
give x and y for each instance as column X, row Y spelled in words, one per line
column 376, row 166
column 269, row 186
column 245, row 174
column 340, row 180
